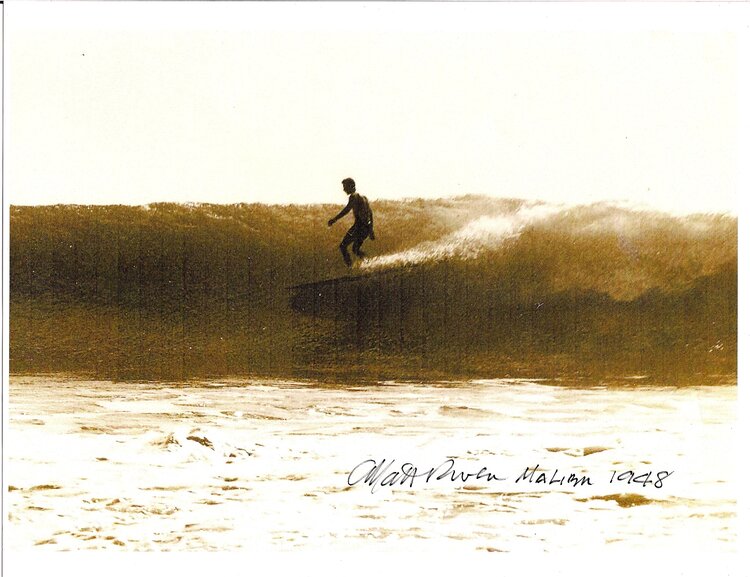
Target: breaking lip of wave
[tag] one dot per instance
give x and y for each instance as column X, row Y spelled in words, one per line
column 469, row 242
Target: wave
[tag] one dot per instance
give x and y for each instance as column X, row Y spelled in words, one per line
column 607, row 248
column 472, row 286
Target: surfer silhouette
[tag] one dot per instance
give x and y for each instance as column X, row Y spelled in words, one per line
column 362, row 227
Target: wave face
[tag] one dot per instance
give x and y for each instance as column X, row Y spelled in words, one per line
column 469, row 286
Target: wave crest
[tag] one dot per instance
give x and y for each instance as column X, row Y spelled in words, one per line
column 469, row 242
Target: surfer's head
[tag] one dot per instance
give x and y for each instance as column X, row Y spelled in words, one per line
column 349, row 186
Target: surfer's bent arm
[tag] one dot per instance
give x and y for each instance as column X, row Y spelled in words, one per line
column 343, row 212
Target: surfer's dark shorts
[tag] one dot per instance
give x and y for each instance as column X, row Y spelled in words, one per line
column 356, row 234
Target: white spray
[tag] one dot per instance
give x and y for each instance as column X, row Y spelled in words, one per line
column 467, row 243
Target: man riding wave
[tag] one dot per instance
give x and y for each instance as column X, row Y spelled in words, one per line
column 363, row 226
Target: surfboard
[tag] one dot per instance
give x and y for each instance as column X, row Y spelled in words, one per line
column 354, row 275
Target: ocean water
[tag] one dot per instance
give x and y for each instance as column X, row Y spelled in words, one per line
column 277, row 465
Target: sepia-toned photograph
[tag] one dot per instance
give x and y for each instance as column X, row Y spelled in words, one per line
column 453, row 279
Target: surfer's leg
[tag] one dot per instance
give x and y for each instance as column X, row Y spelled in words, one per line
column 345, row 254
column 357, row 247
column 348, row 239
column 359, row 237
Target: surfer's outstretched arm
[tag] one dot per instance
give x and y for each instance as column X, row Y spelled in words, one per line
column 343, row 212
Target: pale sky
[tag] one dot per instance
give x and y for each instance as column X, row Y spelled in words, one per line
column 190, row 102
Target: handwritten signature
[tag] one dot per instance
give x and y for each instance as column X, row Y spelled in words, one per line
column 386, row 473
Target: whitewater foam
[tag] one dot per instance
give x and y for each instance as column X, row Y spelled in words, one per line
column 467, row 243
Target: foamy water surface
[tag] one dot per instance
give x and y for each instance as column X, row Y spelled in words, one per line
column 264, row 465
